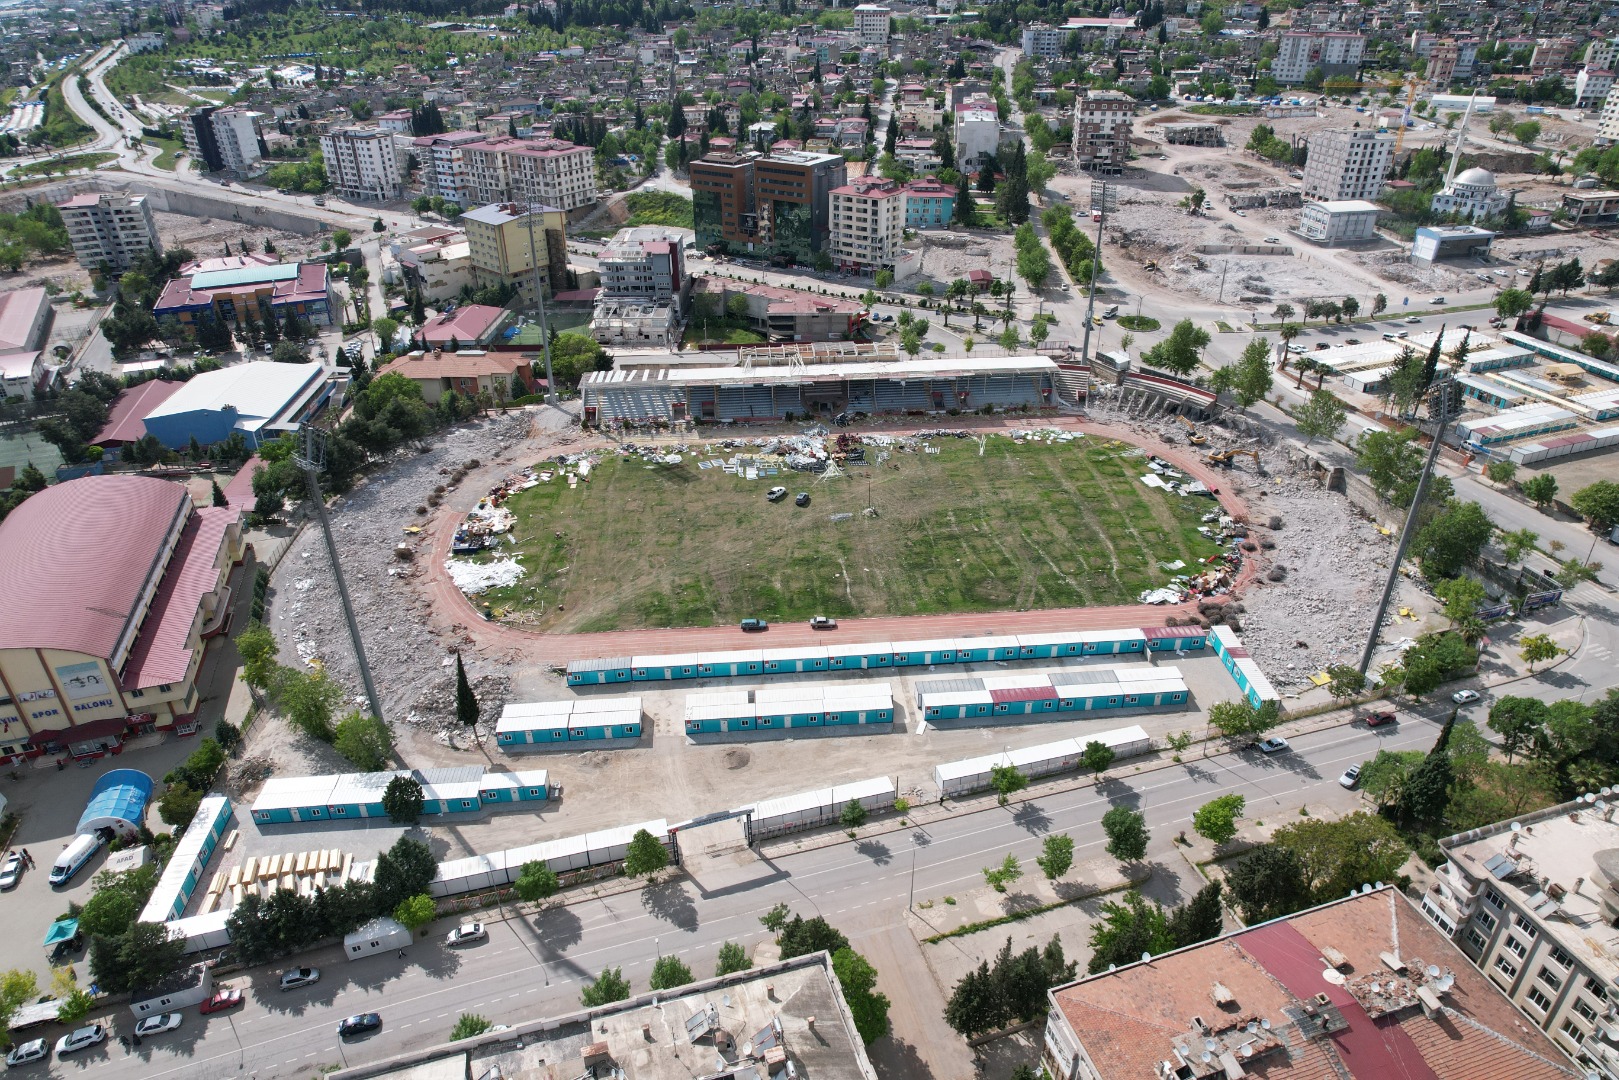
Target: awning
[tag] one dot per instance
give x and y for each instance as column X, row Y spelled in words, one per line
column 61, row 930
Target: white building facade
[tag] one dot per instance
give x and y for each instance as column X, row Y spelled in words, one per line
column 1472, row 195
column 871, row 22
column 868, row 224
column 109, row 229
column 1342, row 222
column 361, row 163
column 977, row 135
column 1347, row 164
column 1301, row 51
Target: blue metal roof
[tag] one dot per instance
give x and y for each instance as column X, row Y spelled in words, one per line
column 121, row 794
column 246, row 275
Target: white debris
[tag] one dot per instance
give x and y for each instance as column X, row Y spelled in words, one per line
column 475, row 577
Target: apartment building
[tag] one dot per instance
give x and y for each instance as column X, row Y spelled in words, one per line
column 1551, row 56
column 1608, row 122
column 503, row 250
column 645, row 264
column 868, row 224
column 871, row 24
column 552, row 172
column 1532, row 902
column 109, row 230
column 1301, row 51
column 1044, row 42
column 977, row 133
column 918, row 154
column 1103, row 123
column 929, row 204
column 442, row 161
column 1347, row 164
column 775, row 203
column 1592, row 87
column 361, row 163
column 225, row 140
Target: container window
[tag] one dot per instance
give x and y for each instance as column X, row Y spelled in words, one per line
column 628, row 729
column 1000, row 708
column 534, row 791
column 1130, row 699
column 338, row 811
column 1112, row 701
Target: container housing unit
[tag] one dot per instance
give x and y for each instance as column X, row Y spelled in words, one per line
column 346, row 796
column 783, row 708
column 579, row 724
column 1234, row 655
column 957, row 778
column 1051, row 694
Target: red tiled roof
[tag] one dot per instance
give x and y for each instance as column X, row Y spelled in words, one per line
column 75, row 559
column 18, row 309
column 1023, row 693
column 466, row 325
column 239, row 492
column 127, row 420
column 456, row 366
column 162, row 653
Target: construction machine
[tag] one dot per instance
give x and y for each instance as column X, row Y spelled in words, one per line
column 1223, row 458
column 1193, row 436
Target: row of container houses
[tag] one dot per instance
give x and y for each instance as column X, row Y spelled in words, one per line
column 1086, row 689
column 1234, row 655
column 449, row 792
column 811, row 809
column 965, row 777
column 191, row 854
column 780, row 708
column 501, row 868
column 575, row 724
column 885, row 654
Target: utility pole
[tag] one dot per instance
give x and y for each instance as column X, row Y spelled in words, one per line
column 1104, row 197
column 530, row 209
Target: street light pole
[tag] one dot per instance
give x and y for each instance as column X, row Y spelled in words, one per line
column 539, row 298
column 1103, row 195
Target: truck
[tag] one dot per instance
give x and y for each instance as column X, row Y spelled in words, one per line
column 179, row 990
column 380, row 935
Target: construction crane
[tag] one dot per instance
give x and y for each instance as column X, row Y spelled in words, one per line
column 1193, row 436
column 1405, row 117
column 1223, row 459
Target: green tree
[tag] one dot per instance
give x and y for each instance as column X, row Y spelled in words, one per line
column 1462, row 596
column 1452, row 540
column 307, row 701
column 1526, row 132
column 1056, row 856
column 468, row 1026
column 1320, row 417
column 1216, row 820
column 977, row 1004
column 1267, row 884
column 1540, row 489
column 178, row 804
column 536, row 881
column 1500, row 472
column 669, row 972
column 867, row 1004
column 853, row 815
column 1241, row 719
column 365, row 740
column 1127, row 930
column 1199, row 919
column 403, row 800
column 733, row 957
column 1513, row 302
column 415, row 912
column 1520, row 721
column 775, row 920
column 1007, row 781
column 466, row 705
column 406, row 869
column 1337, row 856
column 17, row 988
column 801, row 936
column 1127, row 834
column 610, row 986
column 139, row 958
column 883, row 279
column 1598, row 504
column 1392, row 463
column 1515, row 543
column 1096, row 756
column 117, row 901
column 1346, row 681
column 999, row 877
column 1250, row 380
column 1536, row 648
column 1181, row 351
column 646, row 855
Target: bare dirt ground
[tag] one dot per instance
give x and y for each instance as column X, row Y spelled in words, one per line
column 947, row 256
column 206, row 237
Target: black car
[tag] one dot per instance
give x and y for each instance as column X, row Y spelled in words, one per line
column 802, row 499
column 359, row 1024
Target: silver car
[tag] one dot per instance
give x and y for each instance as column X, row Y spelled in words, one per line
column 11, row 873
column 82, row 1039
column 297, row 977
column 27, row 1053
column 158, row 1024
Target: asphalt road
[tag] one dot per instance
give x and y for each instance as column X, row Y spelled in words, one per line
column 535, row 967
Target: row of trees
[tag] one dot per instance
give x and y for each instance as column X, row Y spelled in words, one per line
column 1012, row 990
column 1072, row 246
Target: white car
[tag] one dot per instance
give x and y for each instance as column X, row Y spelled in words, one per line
column 466, row 932
column 1273, row 239
column 776, row 494
column 157, row 1025
column 1464, row 697
column 1273, row 745
column 27, row 1053
column 1437, row 300
column 1522, row 272
column 1350, row 778
column 297, row 977
column 1295, row 349
column 11, row 873
column 1501, row 273
column 82, row 1039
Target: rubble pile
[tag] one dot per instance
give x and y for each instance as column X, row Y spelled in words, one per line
column 434, row 705
column 305, row 614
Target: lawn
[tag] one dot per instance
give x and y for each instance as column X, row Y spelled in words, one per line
column 63, row 165
column 722, row 332
column 659, row 208
column 171, row 148
column 1018, row 527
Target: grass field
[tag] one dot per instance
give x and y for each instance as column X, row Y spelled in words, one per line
column 1022, row 526
column 171, row 148
column 64, row 165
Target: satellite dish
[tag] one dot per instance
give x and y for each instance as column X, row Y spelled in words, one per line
column 1433, row 971
column 1379, row 885
column 1207, row 1057
column 1113, row 967
column 747, row 1048
column 1210, row 1045
column 1264, row 1024
column 726, row 1001
column 1377, row 988
column 1146, row 957
column 1182, row 1049
column 1517, row 826
column 1247, row 1050
column 1252, row 1027
column 1590, row 797
column 1607, row 791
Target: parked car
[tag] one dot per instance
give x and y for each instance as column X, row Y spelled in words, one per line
column 1273, row 745
column 1412, row 318
column 1437, row 300
column 753, row 625
column 11, row 873
column 801, row 499
column 358, row 1024
column 1403, row 334
column 1352, row 341
column 82, row 1039
column 1240, row 213
column 292, row 980
column 157, row 1025
column 776, row 494
column 1464, row 697
column 1350, row 778
column 1322, row 345
column 466, row 933
column 822, row 622
column 1273, row 239
column 27, row 1053
column 220, row 1002
column 1295, row 348
column 1378, row 719
column 1501, row 273
column 1522, row 271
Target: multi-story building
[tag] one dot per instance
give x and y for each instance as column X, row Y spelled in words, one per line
column 977, row 134
column 1471, row 195
column 1603, row 53
column 361, row 163
column 868, row 224
column 1347, row 164
column 235, row 287
column 775, row 204
column 443, row 165
column 1103, row 122
column 438, row 267
column 918, row 154
column 1338, row 222
column 871, row 24
column 109, row 230
column 503, row 250
column 1551, row 56
column 552, row 172
column 929, row 204
column 1361, row 987
column 1044, row 42
column 1608, row 122
column 645, row 264
column 1592, row 87
column 1533, row 903
column 1442, row 60
column 398, row 121
column 1302, row 51
column 225, row 140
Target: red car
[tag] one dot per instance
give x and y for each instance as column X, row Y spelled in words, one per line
column 225, row 999
column 1378, row 719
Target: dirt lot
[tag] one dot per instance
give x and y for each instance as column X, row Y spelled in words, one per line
column 207, row 237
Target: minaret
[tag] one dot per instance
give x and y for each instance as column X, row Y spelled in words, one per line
column 1461, row 131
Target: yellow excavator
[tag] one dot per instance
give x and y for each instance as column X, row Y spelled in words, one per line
column 1193, row 436
column 1223, row 458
